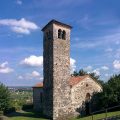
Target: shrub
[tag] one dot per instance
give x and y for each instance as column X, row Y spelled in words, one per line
column 1, row 113
column 27, row 106
column 9, row 110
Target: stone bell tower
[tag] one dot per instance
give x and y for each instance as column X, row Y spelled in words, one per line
column 56, row 63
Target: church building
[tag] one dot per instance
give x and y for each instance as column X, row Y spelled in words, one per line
column 61, row 95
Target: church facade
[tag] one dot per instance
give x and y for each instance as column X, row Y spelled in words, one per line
column 61, row 96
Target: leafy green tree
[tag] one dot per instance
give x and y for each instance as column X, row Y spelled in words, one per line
column 82, row 72
column 75, row 73
column 111, row 94
column 114, row 84
column 4, row 97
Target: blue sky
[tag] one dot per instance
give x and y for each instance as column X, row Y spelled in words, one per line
column 95, row 37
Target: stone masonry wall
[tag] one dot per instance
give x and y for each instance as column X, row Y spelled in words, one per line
column 37, row 100
column 48, row 71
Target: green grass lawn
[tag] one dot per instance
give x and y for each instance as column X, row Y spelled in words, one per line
column 22, row 115
column 99, row 116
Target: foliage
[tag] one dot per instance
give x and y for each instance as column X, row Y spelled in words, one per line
column 21, row 97
column 111, row 94
column 27, row 106
column 9, row 110
column 4, row 97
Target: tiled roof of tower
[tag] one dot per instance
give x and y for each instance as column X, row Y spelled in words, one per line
column 38, row 85
column 75, row 80
column 56, row 22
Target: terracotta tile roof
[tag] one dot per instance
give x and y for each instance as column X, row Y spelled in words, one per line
column 75, row 80
column 38, row 85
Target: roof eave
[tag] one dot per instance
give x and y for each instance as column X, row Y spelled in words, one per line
column 56, row 22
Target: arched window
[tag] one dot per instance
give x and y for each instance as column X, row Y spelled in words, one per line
column 87, row 104
column 63, row 35
column 60, row 33
column 87, row 99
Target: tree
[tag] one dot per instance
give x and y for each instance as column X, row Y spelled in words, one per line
column 82, row 72
column 111, row 94
column 4, row 97
column 75, row 73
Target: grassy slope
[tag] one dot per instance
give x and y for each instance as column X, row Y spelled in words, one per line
column 32, row 116
column 99, row 116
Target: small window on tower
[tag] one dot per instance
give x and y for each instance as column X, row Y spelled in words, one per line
column 60, row 33
column 63, row 35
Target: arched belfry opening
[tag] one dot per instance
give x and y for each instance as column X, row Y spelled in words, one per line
column 87, row 103
column 63, row 35
column 60, row 33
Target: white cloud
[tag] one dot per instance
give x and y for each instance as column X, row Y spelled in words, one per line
column 20, row 77
column 35, row 74
column 20, row 30
column 5, row 69
column 117, row 53
column 109, row 50
column 21, row 26
column 104, row 68
column 72, row 64
column 107, row 75
column 108, row 39
column 33, row 61
column 96, row 71
column 116, row 64
column 88, row 68
column 19, row 2
column 31, row 76
column 113, row 52
column 3, row 65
